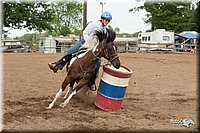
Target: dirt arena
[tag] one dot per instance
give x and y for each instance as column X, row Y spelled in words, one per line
column 161, row 91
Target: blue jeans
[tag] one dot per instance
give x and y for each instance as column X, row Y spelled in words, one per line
column 75, row 48
column 60, row 64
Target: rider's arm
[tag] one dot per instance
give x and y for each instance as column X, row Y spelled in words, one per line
column 89, row 30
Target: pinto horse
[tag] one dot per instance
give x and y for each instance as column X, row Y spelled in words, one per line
column 82, row 69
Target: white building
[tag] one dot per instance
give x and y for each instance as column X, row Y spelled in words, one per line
column 56, row 44
column 125, row 39
column 9, row 44
column 159, row 36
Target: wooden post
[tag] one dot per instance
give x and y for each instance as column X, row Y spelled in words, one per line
column 84, row 14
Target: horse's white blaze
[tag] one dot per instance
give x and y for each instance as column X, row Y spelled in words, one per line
column 67, row 100
column 59, row 93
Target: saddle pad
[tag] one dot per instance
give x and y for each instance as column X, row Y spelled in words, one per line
column 82, row 50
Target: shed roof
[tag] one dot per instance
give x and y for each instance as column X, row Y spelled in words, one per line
column 65, row 40
column 190, row 34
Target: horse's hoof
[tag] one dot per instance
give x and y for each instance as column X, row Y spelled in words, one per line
column 48, row 107
column 62, row 105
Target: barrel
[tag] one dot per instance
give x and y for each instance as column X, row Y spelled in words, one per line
column 112, row 87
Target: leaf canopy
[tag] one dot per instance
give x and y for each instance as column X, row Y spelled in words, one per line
column 176, row 16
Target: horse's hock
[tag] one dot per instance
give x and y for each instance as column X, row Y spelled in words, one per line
column 112, row 87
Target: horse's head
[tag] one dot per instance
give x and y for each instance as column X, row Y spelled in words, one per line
column 110, row 53
column 107, row 49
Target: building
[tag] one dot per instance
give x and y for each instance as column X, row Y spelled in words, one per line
column 187, row 41
column 125, row 44
column 9, row 44
column 159, row 36
column 14, row 46
column 6, row 43
column 56, row 44
column 187, row 37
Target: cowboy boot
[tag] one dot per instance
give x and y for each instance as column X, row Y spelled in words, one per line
column 59, row 64
column 53, row 67
column 91, row 84
column 93, row 87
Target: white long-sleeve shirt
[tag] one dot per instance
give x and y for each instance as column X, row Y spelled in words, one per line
column 88, row 34
column 89, row 30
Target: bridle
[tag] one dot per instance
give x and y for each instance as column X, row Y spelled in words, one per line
column 113, row 57
column 95, row 56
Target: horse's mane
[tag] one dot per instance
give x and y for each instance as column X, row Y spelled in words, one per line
column 102, row 35
column 111, row 35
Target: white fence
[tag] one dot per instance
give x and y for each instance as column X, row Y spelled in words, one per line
column 173, row 48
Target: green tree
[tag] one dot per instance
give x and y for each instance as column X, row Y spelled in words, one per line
column 67, row 17
column 117, row 30
column 177, row 16
column 110, row 27
column 31, row 15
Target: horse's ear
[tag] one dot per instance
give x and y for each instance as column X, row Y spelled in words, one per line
column 111, row 35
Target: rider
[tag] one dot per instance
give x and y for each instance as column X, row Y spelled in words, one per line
column 87, row 36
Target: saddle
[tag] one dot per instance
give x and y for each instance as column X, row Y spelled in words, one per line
column 81, row 50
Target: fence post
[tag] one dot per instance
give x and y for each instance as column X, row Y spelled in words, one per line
column 127, row 47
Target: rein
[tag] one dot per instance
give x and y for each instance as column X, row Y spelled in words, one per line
column 115, row 57
column 95, row 56
column 105, row 53
column 86, row 64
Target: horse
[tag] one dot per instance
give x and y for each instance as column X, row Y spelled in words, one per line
column 81, row 69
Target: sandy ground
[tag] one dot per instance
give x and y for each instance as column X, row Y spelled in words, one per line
column 162, row 90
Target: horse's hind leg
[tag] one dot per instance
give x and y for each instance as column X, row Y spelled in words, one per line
column 80, row 84
column 59, row 93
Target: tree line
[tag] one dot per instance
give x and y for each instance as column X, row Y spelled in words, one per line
column 64, row 18
column 56, row 18
column 176, row 16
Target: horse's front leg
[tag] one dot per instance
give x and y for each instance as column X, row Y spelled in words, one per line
column 59, row 93
column 68, row 89
column 80, row 84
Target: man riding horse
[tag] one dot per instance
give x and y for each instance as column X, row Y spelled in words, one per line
column 88, row 41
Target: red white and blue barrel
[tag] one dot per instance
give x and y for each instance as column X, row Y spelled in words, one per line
column 112, row 87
